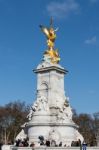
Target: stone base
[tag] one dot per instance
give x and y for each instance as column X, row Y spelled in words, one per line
column 10, row 147
column 50, row 116
column 59, row 132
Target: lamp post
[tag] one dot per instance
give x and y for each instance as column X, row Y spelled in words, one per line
column 5, row 133
column 97, row 137
column 5, row 136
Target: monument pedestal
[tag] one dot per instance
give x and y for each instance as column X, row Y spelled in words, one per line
column 51, row 114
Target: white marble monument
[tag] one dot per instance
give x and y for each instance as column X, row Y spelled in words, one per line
column 51, row 114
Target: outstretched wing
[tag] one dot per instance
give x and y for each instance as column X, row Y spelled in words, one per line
column 44, row 30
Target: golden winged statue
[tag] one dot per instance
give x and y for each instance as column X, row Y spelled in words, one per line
column 51, row 36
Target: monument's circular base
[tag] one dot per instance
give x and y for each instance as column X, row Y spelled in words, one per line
column 58, row 132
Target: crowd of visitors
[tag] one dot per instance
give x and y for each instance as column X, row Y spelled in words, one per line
column 1, row 145
column 22, row 143
column 43, row 142
column 76, row 143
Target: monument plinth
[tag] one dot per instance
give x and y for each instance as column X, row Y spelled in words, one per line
column 51, row 114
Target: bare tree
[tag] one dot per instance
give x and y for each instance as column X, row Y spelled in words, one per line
column 12, row 116
column 86, row 125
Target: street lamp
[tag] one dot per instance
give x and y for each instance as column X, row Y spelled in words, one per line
column 5, row 136
column 97, row 137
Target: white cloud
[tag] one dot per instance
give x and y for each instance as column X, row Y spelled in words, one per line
column 91, row 91
column 92, row 40
column 93, row 1
column 62, row 9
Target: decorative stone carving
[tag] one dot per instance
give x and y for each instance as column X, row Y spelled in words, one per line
column 21, row 135
column 29, row 116
column 67, row 112
column 54, row 136
column 41, row 104
column 32, row 110
column 60, row 117
column 79, row 136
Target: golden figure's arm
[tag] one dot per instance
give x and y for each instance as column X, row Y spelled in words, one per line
column 45, row 31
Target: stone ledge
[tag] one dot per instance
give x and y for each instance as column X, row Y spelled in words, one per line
column 51, row 124
column 51, row 68
column 11, row 147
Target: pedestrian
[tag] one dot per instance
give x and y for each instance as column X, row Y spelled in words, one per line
column 84, row 145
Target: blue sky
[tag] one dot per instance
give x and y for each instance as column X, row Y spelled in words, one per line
column 22, row 45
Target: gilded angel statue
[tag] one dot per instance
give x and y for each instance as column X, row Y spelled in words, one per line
column 50, row 55
column 50, row 34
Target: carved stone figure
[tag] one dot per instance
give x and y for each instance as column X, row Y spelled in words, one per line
column 32, row 109
column 65, row 113
column 68, row 111
column 40, row 104
column 60, row 116
column 21, row 135
column 54, row 136
column 35, row 106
